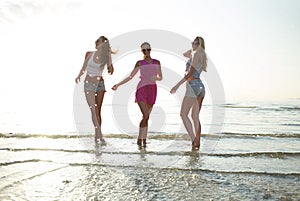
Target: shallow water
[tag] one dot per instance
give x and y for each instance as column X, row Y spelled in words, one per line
column 256, row 156
column 75, row 168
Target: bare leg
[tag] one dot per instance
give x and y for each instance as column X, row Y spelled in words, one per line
column 186, row 105
column 195, row 116
column 146, row 110
column 99, row 96
column 146, row 132
column 93, row 101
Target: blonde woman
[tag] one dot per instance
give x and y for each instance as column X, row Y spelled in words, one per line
column 195, row 90
column 94, row 87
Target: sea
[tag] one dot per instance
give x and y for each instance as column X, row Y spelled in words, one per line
column 251, row 152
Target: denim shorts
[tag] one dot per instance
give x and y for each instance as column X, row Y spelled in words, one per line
column 195, row 88
column 94, row 86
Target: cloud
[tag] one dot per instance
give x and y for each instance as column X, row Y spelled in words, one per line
column 12, row 12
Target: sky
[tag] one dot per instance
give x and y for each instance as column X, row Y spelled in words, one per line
column 253, row 44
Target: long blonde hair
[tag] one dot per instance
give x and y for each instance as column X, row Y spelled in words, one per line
column 201, row 49
column 105, row 49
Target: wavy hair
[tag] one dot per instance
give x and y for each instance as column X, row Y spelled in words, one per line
column 201, row 48
column 105, row 49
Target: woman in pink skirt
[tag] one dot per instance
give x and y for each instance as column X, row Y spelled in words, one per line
column 145, row 96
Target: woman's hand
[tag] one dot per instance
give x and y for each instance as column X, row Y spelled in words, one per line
column 115, row 87
column 174, row 89
column 77, row 79
column 110, row 69
column 153, row 78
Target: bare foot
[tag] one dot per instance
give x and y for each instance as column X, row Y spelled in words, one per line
column 196, row 142
column 139, row 142
column 100, row 140
column 144, row 142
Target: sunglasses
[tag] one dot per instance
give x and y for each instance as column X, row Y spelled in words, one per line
column 144, row 50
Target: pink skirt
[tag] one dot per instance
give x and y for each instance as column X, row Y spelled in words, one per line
column 146, row 94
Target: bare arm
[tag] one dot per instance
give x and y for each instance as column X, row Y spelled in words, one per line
column 185, row 78
column 84, row 66
column 159, row 76
column 110, row 67
column 188, row 54
column 195, row 62
column 132, row 74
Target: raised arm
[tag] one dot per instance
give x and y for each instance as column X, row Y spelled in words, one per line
column 84, row 66
column 188, row 54
column 132, row 74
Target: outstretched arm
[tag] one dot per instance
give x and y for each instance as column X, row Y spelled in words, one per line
column 132, row 74
column 84, row 66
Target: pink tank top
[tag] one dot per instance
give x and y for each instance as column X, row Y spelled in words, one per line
column 147, row 71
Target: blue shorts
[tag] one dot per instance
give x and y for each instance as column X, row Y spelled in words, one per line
column 94, row 86
column 195, row 88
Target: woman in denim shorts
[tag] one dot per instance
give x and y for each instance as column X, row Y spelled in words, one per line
column 195, row 90
column 94, row 87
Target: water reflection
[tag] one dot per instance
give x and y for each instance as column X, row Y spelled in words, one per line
column 193, row 159
column 143, row 153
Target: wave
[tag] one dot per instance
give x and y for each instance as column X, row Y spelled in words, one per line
column 16, row 162
column 152, row 135
column 262, row 107
column 290, row 124
column 252, row 135
column 193, row 169
column 198, row 169
column 290, row 108
column 54, row 136
column 239, row 106
column 279, row 108
column 155, row 135
column 170, row 153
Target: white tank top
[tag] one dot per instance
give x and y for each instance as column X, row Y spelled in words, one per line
column 94, row 69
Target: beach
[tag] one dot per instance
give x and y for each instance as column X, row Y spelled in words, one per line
column 253, row 158
column 250, row 116
column 75, row 168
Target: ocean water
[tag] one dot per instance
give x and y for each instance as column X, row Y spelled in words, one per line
column 255, row 155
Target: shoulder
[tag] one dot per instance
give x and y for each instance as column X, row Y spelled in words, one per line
column 138, row 63
column 88, row 54
column 156, row 61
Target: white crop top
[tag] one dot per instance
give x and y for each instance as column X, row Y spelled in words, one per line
column 94, row 69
